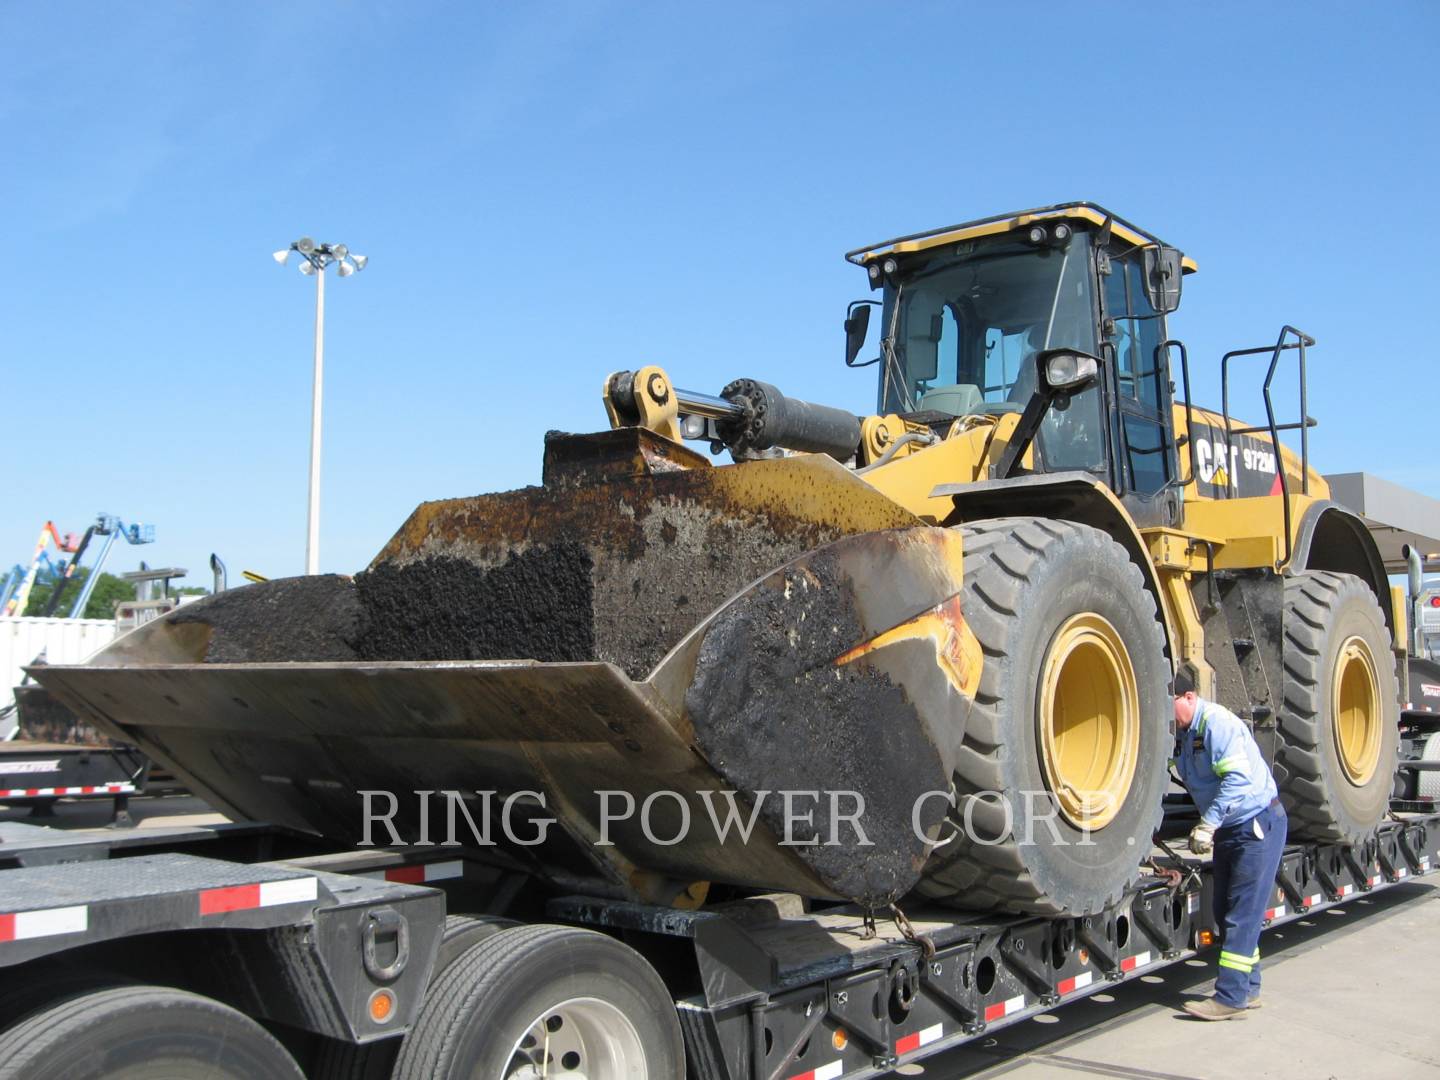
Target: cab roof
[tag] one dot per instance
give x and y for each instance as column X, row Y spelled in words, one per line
column 1089, row 212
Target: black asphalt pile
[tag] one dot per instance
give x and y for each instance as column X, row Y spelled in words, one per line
column 536, row 605
column 773, row 713
column 315, row 619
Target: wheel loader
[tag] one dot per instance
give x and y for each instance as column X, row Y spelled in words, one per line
column 959, row 614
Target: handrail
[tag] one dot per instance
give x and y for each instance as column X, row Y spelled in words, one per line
column 1302, row 340
column 1189, row 405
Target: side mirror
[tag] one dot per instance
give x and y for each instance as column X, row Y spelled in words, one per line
column 857, row 326
column 1067, row 370
column 1162, row 278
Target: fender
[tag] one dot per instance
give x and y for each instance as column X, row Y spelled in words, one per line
column 1069, row 496
column 1330, row 537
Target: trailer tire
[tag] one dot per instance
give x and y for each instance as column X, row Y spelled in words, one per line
column 137, row 1030
column 336, row 1060
column 1074, row 653
column 595, row 997
column 1338, row 738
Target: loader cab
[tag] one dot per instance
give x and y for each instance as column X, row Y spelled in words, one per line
column 963, row 319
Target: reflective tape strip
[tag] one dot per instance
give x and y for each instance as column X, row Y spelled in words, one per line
column 1078, row 982
column 22, row 925
column 1425, row 864
column 1004, row 1008
column 1346, row 890
column 1400, row 872
column 1139, row 960
column 917, row 1039
column 826, row 1072
column 418, row 874
column 262, row 894
column 1239, row 963
column 1311, row 901
column 1275, row 912
column 1373, row 880
column 51, row 792
column 1194, row 904
column 1229, row 764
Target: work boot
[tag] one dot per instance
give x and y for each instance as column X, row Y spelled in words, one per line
column 1254, row 1002
column 1210, row 1009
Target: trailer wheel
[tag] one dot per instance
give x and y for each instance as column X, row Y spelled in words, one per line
column 133, row 1031
column 1070, row 721
column 338, row 1060
column 539, row 1001
column 1339, row 732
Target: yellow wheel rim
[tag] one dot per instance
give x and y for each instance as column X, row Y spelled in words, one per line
column 1356, row 709
column 1089, row 721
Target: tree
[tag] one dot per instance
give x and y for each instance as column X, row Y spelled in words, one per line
column 109, row 591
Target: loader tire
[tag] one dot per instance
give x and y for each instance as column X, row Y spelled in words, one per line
column 1069, row 632
column 1339, row 730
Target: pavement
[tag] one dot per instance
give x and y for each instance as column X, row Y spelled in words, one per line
column 1348, row 992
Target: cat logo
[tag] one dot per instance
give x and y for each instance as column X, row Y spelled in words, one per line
column 1220, row 478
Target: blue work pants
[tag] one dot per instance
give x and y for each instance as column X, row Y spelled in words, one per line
column 1247, row 857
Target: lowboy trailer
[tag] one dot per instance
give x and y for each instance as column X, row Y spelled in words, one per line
column 273, row 960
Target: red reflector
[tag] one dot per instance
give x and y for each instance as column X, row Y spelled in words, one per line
column 1435, row 601
column 406, row 875
column 7, row 927
column 235, row 898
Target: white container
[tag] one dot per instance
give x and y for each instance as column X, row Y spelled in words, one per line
column 64, row 641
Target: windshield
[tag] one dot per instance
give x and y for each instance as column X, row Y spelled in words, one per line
column 961, row 335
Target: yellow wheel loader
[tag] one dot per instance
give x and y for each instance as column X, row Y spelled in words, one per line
column 924, row 650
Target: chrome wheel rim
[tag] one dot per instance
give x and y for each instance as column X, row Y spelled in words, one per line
column 578, row 1039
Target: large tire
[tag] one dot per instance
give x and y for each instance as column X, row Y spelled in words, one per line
column 480, row 1012
column 336, row 1060
column 1028, row 582
column 133, row 1031
column 1333, row 765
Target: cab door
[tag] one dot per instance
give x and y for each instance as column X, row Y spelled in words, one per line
column 1138, row 371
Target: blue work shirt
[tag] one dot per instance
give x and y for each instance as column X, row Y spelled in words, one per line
column 1220, row 765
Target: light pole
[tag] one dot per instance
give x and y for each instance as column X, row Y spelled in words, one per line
column 315, row 259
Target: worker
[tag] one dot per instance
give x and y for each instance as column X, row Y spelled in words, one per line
column 1242, row 820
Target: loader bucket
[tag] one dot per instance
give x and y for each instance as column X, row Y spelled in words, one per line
column 668, row 636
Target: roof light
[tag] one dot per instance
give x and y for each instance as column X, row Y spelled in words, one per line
column 1037, row 234
column 1062, row 232
column 874, row 271
column 890, row 266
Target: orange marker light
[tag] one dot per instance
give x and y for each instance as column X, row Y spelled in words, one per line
column 839, row 1040
column 382, row 1006
column 1206, row 938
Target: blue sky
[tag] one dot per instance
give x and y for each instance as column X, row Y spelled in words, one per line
column 552, row 191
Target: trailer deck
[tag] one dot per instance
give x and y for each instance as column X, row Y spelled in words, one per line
column 781, row 989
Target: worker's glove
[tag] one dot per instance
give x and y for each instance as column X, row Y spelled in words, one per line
column 1202, row 839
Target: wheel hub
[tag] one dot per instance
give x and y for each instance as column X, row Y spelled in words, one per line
column 1089, row 721
column 1356, row 708
column 578, row 1039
